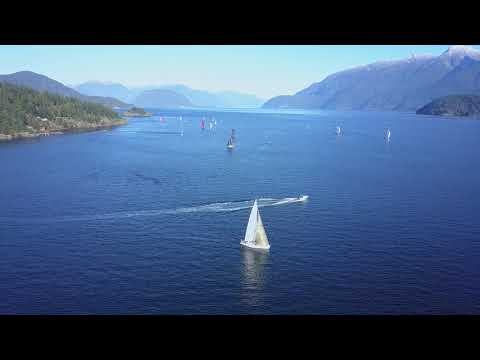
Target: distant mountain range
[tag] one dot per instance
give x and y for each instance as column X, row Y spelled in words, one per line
column 403, row 85
column 162, row 98
column 196, row 98
column 116, row 91
column 43, row 83
column 453, row 105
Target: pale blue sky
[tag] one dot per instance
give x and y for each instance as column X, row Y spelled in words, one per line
column 262, row 70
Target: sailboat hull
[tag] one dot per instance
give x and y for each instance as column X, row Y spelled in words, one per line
column 255, row 246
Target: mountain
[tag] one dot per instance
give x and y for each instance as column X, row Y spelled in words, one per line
column 162, row 98
column 111, row 90
column 28, row 113
column 42, row 83
column 106, row 101
column 402, row 85
column 222, row 99
column 453, row 105
column 39, row 83
column 235, row 99
column 198, row 98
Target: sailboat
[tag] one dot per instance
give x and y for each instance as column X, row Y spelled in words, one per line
column 202, row 124
column 338, row 130
column 255, row 235
column 231, row 140
column 181, row 126
column 388, row 134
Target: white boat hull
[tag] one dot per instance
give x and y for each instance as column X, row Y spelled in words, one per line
column 254, row 246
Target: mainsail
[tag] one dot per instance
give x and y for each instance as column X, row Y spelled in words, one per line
column 231, row 140
column 255, row 235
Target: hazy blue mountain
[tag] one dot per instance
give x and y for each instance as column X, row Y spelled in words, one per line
column 198, row 98
column 453, row 105
column 239, row 100
column 391, row 85
column 117, row 91
column 40, row 82
column 223, row 99
column 162, row 98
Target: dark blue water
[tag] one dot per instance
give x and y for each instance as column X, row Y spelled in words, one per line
column 139, row 220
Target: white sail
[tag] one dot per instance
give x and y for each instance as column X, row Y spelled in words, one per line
column 255, row 235
column 252, row 226
column 261, row 239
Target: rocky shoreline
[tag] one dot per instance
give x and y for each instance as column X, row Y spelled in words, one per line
column 60, row 131
column 137, row 115
column 453, row 105
column 136, row 112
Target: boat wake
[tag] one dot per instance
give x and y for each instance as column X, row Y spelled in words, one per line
column 214, row 207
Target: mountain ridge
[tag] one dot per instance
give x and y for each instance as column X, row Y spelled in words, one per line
column 162, row 98
column 397, row 85
column 453, row 105
column 197, row 98
column 44, row 83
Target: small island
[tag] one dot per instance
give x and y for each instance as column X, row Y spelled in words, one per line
column 26, row 113
column 136, row 112
column 453, row 105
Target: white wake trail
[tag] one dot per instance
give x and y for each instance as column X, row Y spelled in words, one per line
column 214, row 207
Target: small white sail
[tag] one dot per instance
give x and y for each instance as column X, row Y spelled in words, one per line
column 388, row 134
column 338, row 130
column 255, row 235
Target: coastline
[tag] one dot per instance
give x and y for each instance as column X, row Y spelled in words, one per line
column 137, row 115
column 60, row 131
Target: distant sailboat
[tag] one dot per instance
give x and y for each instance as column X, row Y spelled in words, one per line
column 255, row 235
column 181, row 126
column 338, row 130
column 202, row 124
column 231, row 140
column 388, row 134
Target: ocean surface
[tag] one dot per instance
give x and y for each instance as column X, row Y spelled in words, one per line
column 141, row 220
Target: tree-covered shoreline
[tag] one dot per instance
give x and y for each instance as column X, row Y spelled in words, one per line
column 136, row 112
column 26, row 113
